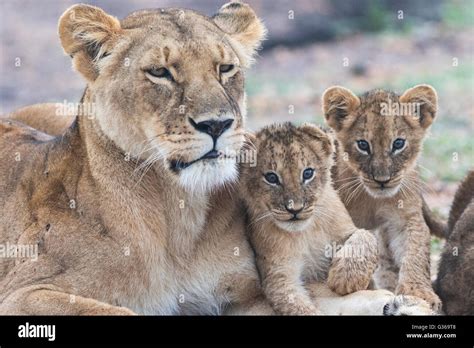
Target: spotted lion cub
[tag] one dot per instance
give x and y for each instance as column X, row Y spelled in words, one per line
column 298, row 227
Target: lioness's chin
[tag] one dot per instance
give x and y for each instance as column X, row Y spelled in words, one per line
column 293, row 226
column 204, row 176
column 386, row 192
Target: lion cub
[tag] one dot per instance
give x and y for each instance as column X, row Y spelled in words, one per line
column 380, row 136
column 298, row 227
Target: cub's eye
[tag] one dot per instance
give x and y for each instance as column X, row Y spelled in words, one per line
column 271, row 178
column 398, row 144
column 308, row 174
column 224, row 68
column 161, row 73
column 363, row 146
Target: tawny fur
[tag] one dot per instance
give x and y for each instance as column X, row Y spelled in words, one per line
column 48, row 118
column 117, row 230
column 455, row 281
column 395, row 209
column 289, row 253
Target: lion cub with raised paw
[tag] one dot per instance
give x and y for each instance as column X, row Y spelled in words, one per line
column 298, row 227
column 380, row 136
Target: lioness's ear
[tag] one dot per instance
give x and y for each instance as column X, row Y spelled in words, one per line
column 86, row 33
column 243, row 26
column 338, row 102
column 425, row 99
column 316, row 133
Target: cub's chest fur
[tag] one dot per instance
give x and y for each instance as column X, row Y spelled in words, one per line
column 317, row 255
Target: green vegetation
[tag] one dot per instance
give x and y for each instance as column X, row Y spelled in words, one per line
column 458, row 13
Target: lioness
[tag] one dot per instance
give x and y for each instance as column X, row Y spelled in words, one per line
column 299, row 228
column 379, row 137
column 113, row 237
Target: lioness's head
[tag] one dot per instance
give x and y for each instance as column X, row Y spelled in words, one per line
column 167, row 85
column 291, row 173
column 380, row 133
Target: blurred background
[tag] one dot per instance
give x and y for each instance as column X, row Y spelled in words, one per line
column 312, row 44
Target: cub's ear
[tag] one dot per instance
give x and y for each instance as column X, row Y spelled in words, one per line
column 87, row 33
column 338, row 102
column 243, row 26
column 315, row 133
column 426, row 100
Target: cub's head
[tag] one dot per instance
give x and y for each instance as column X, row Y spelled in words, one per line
column 167, row 85
column 291, row 173
column 380, row 133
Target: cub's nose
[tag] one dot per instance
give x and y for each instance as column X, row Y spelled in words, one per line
column 382, row 179
column 294, row 209
column 214, row 128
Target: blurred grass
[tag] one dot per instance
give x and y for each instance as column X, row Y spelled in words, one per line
column 458, row 14
column 451, row 132
column 436, row 245
column 454, row 14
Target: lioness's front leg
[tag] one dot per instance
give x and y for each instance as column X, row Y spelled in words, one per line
column 46, row 299
column 414, row 278
column 354, row 264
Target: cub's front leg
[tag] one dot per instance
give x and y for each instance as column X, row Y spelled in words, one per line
column 283, row 288
column 414, row 258
column 354, row 264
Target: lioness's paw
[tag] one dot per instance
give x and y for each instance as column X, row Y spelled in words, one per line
column 354, row 264
column 407, row 305
column 426, row 294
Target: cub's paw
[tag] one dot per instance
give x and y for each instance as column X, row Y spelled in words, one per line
column 426, row 294
column 354, row 264
column 407, row 305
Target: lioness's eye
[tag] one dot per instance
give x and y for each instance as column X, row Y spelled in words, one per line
column 363, row 146
column 271, row 178
column 308, row 174
column 160, row 73
column 398, row 144
column 224, row 68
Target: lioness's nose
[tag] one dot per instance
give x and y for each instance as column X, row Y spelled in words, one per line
column 212, row 127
